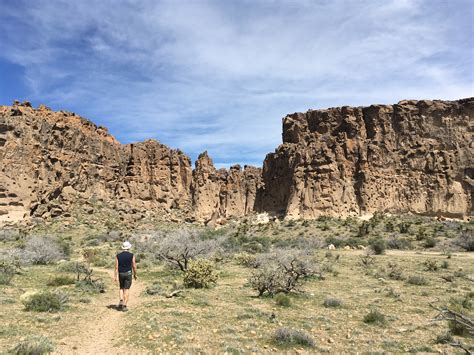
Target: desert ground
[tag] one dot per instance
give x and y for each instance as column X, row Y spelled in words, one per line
column 380, row 289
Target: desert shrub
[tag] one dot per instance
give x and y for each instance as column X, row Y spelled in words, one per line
column 364, row 229
column 46, row 302
column 398, row 243
column 444, row 338
column 374, row 317
column 246, row 259
column 41, row 251
column 366, row 261
column 91, row 286
column 281, row 271
column 182, row 246
column 8, row 269
column 429, row 242
column 61, row 281
column 332, row 303
column 430, row 265
column 404, row 227
column 445, row 264
column 337, row 242
column 378, row 246
column 466, row 240
column 200, row 274
column 417, row 280
column 394, row 271
column 33, row 345
column 288, row 337
column 154, row 289
column 282, row 300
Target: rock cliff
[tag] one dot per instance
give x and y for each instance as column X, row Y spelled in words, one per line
column 51, row 161
column 415, row 156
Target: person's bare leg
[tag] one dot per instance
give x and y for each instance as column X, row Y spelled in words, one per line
column 121, row 296
column 125, row 296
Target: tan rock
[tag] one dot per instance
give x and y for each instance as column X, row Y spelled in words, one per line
column 414, row 156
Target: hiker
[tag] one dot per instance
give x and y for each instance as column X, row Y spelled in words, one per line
column 124, row 265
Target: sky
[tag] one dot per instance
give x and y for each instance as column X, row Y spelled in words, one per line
column 220, row 75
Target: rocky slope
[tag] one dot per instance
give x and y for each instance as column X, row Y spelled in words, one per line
column 415, row 156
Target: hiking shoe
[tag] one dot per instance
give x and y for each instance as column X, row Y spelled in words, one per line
column 124, row 309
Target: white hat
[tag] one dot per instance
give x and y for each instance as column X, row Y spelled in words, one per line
column 126, row 245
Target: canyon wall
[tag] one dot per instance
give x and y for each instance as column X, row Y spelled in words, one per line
column 51, row 161
column 414, row 156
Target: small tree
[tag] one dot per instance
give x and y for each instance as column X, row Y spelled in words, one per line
column 281, row 272
column 184, row 245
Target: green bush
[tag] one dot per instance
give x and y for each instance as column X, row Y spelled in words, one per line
column 200, row 274
column 378, row 246
column 429, row 242
column 417, row 280
column 246, row 259
column 61, row 281
column 46, row 302
column 288, row 337
column 374, row 317
column 33, row 345
column 7, row 271
column 283, row 300
column 332, row 303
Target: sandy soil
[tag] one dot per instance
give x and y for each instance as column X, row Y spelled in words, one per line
column 101, row 334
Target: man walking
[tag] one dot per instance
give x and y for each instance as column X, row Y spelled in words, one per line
column 124, row 265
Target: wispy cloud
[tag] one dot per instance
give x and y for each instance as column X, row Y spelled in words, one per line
column 219, row 75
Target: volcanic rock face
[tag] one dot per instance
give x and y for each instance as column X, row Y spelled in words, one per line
column 51, row 161
column 415, row 156
column 224, row 193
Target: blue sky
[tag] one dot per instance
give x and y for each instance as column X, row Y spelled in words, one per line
column 220, row 75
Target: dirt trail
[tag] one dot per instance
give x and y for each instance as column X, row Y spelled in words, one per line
column 102, row 329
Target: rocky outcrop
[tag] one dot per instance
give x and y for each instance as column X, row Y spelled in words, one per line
column 223, row 193
column 53, row 161
column 415, row 156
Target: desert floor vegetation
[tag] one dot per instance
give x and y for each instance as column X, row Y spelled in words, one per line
column 356, row 297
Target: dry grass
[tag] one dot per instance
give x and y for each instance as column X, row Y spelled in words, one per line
column 229, row 317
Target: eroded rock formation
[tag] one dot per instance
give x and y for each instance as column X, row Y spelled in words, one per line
column 223, row 193
column 53, row 160
column 415, row 156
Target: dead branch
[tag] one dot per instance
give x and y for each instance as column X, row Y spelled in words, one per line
column 450, row 315
column 174, row 294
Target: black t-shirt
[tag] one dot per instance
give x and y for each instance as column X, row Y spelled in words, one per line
column 124, row 261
